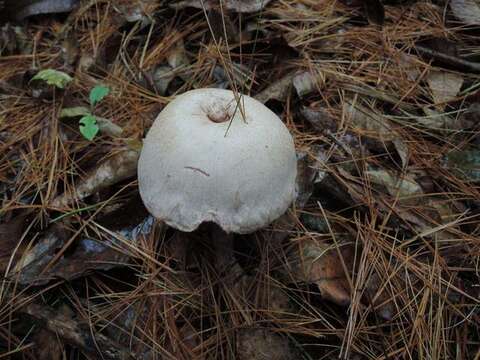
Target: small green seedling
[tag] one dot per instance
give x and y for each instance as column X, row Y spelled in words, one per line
column 88, row 123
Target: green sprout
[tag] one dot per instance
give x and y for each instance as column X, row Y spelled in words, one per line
column 88, row 123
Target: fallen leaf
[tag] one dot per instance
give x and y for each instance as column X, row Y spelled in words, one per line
column 10, row 235
column 70, row 49
column 77, row 333
column 438, row 120
column 21, row 10
column 189, row 338
column 410, row 65
column 308, row 174
column 370, row 124
column 262, row 344
column 319, row 118
column 467, row 11
column 276, row 91
column 37, row 257
column 8, row 40
column 403, row 186
column 465, row 163
column 117, row 168
column 444, row 87
column 74, row 111
column 222, row 26
column 53, row 77
column 47, row 345
column 177, row 56
column 88, row 255
column 375, row 11
column 319, row 263
column 241, row 6
column 137, row 11
column 108, row 127
column 162, row 77
column 305, row 83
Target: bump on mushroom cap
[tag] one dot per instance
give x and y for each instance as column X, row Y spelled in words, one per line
column 196, row 167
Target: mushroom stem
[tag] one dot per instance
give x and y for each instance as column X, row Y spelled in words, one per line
column 224, row 252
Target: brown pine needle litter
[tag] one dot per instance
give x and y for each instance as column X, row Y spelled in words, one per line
column 378, row 258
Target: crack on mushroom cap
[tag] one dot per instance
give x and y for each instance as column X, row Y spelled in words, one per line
column 251, row 172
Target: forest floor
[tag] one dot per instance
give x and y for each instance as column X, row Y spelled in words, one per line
column 377, row 259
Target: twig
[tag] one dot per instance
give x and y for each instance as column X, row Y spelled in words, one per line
column 449, row 59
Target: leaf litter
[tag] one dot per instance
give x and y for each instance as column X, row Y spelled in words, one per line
column 378, row 257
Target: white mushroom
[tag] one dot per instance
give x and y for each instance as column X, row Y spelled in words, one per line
column 213, row 157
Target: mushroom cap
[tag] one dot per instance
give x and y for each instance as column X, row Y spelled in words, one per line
column 205, row 159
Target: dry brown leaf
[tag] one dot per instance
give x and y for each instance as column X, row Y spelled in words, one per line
column 444, row 86
column 467, row 11
column 410, row 65
column 119, row 167
column 77, row 333
column 241, row 6
column 276, row 91
column 10, row 234
column 47, row 346
column 403, row 186
column 319, row 118
column 262, row 344
column 89, row 254
column 320, row 263
column 306, row 83
column 376, row 126
column 309, row 172
column 24, row 9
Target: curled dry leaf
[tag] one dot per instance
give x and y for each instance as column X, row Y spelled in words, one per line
column 108, row 127
column 308, row 174
column 320, row 263
column 375, row 11
column 136, row 11
column 77, row 333
column 162, row 77
column 21, row 10
column 239, row 73
column 319, row 118
column 375, row 126
column 305, row 83
column 276, row 91
column 444, row 86
column 222, row 26
column 465, row 163
column 47, row 345
column 263, row 344
column 467, row 11
column 88, row 255
column 403, row 186
column 10, row 234
column 410, row 65
column 241, row 6
column 119, row 167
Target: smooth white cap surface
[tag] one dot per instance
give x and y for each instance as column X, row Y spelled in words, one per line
column 196, row 167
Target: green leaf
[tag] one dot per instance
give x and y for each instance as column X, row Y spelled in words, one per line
column 74, row 111
column 89, row 127
column 53, row 77
column 98, row 93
